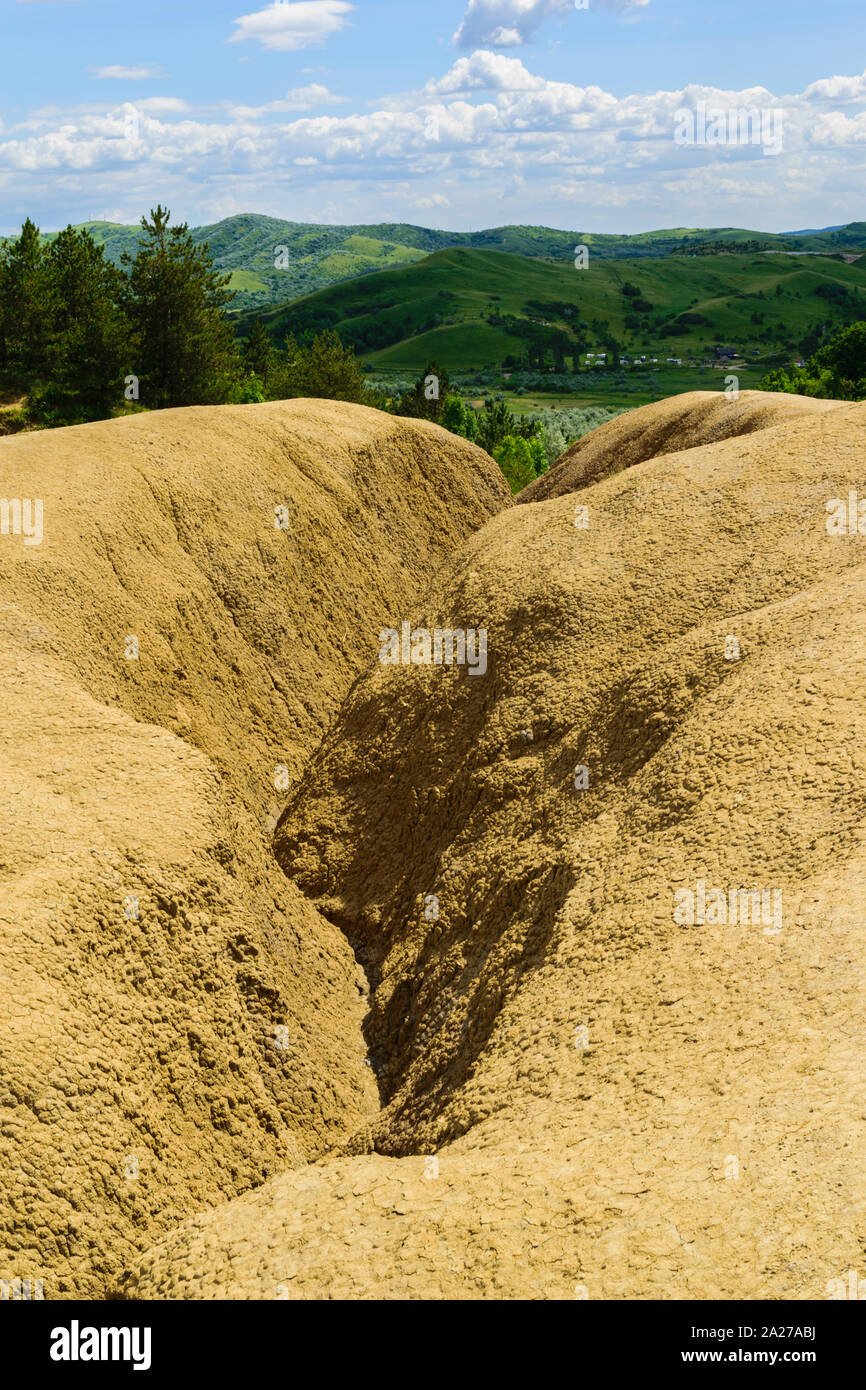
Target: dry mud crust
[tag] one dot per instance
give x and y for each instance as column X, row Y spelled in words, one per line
column 178, row 1021
column 666, row 427
column 704, row 1137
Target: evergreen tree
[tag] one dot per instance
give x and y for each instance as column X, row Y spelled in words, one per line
column 262, row 359
column 23, row 315
column 176, row 302
column 496, row 423
column 87, row 348
column 258, row 352
column 325, row 369
column 426, row 399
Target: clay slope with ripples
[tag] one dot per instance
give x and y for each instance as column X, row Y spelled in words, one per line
column 583, row 1093
column 179, row 1022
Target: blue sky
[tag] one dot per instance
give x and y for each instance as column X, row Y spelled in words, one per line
column 458, row 113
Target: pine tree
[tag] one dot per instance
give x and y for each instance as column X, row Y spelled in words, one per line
column 87, row 349
column 325, row 369
column 425, row 400
column 261, row 359
column 176, row 301
column 23, row 310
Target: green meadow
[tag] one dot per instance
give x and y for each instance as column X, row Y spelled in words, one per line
column 473, row 309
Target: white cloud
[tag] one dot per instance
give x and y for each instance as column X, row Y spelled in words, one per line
column 503, row 38
column 128, row 74
column 489, row 132
column 839, row 90
column 484, row 71
column 510, row 23
column 161, row 106
column 298, row 99
column 288, row 26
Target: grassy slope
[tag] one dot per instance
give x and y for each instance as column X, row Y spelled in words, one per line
column 463, row 287
column 245, row 247
column 321, row 255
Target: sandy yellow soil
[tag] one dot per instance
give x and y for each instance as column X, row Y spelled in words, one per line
column 178, row 1021
column 620, row 1105
column 666, row 427
column 445, row 1033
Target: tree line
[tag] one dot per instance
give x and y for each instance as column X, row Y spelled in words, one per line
column 82, row 339
column 836, row 371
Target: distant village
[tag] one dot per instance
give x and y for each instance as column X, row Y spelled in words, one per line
column 720, row 358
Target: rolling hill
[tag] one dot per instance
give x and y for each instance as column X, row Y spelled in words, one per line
column 320, row 255
column 469, row 308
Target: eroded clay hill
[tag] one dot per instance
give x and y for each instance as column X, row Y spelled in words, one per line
column 178, row 1021
column 586, row 1090
column 667, row 427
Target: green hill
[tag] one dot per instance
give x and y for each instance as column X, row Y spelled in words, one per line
column 475, row 308
column 249, row 247
column 317, row 256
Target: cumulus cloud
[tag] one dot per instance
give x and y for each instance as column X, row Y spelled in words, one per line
column 510, row 23
column 297, row 99
column 839, row 90
column 484, row 71
column 489, row 132
column 288, row 26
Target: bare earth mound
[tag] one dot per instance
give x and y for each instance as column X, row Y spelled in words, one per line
column 589, row 1086
column 666, row 427
column 180, row 1022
